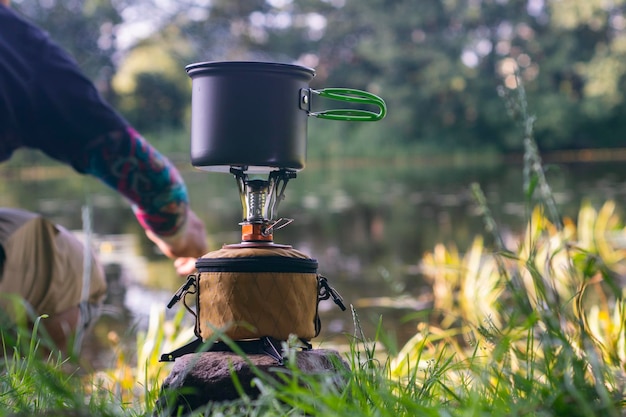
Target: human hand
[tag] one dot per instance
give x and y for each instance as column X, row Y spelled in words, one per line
column 185, row 266
column 190, row 242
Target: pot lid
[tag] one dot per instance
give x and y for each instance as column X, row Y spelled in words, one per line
column 252, row 66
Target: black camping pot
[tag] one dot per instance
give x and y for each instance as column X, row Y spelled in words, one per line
column 253, row 115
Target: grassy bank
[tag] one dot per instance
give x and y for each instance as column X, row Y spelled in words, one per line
column 530, row 327
column 538, row 331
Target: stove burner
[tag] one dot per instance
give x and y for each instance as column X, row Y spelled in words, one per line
column 260, row 200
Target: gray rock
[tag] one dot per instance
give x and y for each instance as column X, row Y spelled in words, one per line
column 201, row 378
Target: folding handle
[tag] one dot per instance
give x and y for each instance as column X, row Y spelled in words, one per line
column 352, row 96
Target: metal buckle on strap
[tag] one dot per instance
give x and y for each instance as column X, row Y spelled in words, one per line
column 326, row 291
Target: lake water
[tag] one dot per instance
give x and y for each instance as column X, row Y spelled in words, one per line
column 366, row 222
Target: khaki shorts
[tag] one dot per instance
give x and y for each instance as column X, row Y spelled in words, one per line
column 44, row 267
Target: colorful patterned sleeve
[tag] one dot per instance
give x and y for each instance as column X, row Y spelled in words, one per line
column 129, row 164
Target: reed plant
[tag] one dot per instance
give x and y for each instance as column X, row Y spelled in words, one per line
column 535, row 330
column 533, row 326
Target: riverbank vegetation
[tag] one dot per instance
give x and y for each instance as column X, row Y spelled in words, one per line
column 530, row 327
column 538, row 331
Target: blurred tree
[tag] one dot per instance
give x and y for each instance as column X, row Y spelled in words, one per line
column 437, row 63
column 151, row 82
column 225, row 33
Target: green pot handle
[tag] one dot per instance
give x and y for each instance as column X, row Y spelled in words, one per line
column 352, row 96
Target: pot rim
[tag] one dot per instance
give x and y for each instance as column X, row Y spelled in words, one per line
column 252, row 66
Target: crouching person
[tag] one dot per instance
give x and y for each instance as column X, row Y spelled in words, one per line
column 42, row 265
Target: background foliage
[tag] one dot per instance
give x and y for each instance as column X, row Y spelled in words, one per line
column 436, row 62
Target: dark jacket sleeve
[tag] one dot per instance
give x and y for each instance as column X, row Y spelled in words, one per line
column 47, row 103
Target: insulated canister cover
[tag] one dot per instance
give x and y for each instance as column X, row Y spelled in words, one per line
column 249, row 293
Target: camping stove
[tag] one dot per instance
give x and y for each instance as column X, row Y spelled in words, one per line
column 249, row 119
column 255, row 293
column 259, row 200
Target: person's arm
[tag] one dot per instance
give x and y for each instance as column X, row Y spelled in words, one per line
column 129, row 164
column 55, row 108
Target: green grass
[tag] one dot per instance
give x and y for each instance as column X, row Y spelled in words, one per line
column 514, row 370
